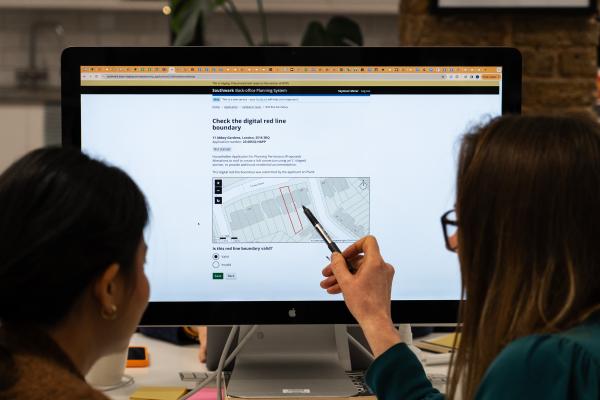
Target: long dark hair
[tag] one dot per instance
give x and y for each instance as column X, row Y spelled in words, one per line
column 528, row 205
column 64, row 218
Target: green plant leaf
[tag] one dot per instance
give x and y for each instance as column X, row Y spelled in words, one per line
column 344, row 32
column 340, row 31
column 185, row 20
column 314, row 35
column 180, row 11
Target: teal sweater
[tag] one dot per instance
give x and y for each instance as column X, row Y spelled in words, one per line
column 558, row 366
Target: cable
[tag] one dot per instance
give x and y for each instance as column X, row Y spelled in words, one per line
column 128, row 381
column 241, row 344
column 406, row 337
column 219, row 371
column 360, row 347
column 229, row 359
column 209, row 379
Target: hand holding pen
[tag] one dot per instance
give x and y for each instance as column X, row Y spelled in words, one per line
column 367, row 293
column 330, row 243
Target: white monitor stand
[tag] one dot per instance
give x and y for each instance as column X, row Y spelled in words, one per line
column 294, row 361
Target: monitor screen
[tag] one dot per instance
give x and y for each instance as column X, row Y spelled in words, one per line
column 228, row 154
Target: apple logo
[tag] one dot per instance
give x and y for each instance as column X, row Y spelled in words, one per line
column 292, row 313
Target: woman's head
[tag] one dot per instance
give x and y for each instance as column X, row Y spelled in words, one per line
column 528, row 205
column 70, row 226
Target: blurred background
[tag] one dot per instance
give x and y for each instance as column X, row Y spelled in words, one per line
column 560, row 48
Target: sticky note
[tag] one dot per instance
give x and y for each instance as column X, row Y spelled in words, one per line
column 446, row 341
column 205, row 394
column 158, row 393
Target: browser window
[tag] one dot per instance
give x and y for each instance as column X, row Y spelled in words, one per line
column 228, row 155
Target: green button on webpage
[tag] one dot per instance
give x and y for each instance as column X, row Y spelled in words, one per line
column 217, row 275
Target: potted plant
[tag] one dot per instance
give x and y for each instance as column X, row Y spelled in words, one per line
column 187, row 25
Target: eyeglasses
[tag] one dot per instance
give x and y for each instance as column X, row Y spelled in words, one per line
column 449, row 226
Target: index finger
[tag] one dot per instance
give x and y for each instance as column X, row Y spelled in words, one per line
column 367, row 245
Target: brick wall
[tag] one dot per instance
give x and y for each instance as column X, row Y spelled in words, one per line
column 559, row 51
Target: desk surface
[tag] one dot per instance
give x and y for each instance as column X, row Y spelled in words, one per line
column 167, row 360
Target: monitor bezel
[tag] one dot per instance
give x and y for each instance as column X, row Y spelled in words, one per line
column 280, row 312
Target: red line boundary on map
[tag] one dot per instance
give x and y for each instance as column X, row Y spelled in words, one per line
column 288, row 210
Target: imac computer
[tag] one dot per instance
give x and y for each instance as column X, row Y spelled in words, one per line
column 228, row 144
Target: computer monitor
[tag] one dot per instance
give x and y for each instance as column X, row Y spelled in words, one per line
column 228, row 144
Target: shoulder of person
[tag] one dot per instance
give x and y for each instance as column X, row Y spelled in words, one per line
column 40, row 378
column 586, row 336
column 552, row 366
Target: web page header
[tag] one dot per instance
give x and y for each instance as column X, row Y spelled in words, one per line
column 290, row 76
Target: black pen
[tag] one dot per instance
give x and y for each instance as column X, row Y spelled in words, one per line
column 330, row 243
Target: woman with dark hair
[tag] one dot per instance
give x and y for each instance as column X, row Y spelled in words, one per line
column 528, row 219
column 72, row 282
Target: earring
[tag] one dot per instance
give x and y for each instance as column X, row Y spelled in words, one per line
column 109, row 315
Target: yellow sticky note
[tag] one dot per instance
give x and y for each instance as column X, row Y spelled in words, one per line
column 158, row 393
column 446, row 341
